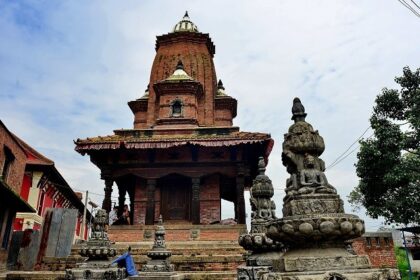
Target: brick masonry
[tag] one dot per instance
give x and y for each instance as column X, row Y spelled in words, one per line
column 378, row 246
column 17, row 167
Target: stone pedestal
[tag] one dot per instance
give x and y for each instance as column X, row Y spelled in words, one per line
column 159, row 265
column 96, row 270
column 97, row 251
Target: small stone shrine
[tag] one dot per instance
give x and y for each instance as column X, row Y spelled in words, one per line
column 97, row 250
column 159, row 265
column 262, row 249
column 314, row 227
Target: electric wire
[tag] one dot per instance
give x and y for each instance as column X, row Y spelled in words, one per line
column 405, row 4
column 352, row 151
column 415, row 4
column 355, row 142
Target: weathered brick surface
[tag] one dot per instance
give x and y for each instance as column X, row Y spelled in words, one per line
column 379, row 247
column 177, row 232
column 17, row 167
column 210, row 207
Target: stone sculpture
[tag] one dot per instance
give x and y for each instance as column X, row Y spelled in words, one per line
column 159, row 265
column 97, row 251
column 262, row 248
column 98, row 246
column 314, row 227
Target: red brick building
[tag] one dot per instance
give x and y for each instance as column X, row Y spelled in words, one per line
column 183, row 155
column 12, row 168
column 378, row 246
column 35, row 180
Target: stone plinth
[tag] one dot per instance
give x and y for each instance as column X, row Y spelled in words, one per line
column 97, row 270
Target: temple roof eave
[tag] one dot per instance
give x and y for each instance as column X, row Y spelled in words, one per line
column 115, row 142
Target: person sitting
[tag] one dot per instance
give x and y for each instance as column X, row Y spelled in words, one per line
column 124, row 219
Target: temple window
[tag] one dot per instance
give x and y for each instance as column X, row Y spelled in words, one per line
column 368, row 242
column 176, row 108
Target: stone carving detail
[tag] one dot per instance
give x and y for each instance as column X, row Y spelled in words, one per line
column 313, row 212
column 98, row 246
column 263, row 210
column 159, row 254
column 252, row 272
column 97, row 250
column 325, row 263
column 314, row 227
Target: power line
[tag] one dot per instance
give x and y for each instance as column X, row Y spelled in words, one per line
column 415, row 4
column 355, row 142
column 352, row 151
column 405, row 4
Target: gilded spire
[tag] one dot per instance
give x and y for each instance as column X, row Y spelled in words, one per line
column 185, row 25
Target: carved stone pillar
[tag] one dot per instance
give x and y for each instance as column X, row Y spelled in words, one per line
column 195, row 207
column 106, row 203
column 150, row 205
column 240, row 200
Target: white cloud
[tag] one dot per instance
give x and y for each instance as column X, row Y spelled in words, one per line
column 68, row 69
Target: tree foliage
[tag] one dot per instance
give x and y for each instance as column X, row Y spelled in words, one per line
column 389, row 162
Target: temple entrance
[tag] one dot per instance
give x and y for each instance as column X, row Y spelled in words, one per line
column 175, row 198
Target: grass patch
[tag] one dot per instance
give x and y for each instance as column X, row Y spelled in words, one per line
column 402, row 264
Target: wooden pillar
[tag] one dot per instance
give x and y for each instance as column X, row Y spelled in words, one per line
column 150, row 205
column 106, row 203
column 130, row 192
column 240, row 200
column 121, row 199
column 195, row 205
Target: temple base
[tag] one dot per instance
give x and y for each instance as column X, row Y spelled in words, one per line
column 312, row 264
column 347, row 274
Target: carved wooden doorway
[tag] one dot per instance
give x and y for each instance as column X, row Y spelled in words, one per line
column 175, row 198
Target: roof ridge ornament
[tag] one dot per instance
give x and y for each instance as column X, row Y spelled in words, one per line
column 220, row 89
column 185, row 25
column 180, row 65
column 220, row 85
column 179, row 74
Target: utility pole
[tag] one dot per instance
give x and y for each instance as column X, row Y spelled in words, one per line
column 84, row 216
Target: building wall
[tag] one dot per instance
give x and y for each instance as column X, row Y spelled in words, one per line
column 210, row 204
column 378, row 246
column 198, row 63
column 17, row 167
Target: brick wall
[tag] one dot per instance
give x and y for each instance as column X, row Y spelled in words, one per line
column 378, row 246
column 17, row 167
column 210, row 207
column 174, row 232
column 198, row 63
column 140, row 200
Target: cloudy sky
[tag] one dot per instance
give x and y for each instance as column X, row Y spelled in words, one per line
column 68, row 69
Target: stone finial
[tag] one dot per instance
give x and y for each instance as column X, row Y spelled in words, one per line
column 220, row 85
column 298, row 110
column 160, row 221
column 186, row 16
column 180, row 65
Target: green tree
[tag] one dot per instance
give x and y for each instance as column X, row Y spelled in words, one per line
column 389, row 162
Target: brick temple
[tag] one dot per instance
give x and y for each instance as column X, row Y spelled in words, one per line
column 183, row 155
